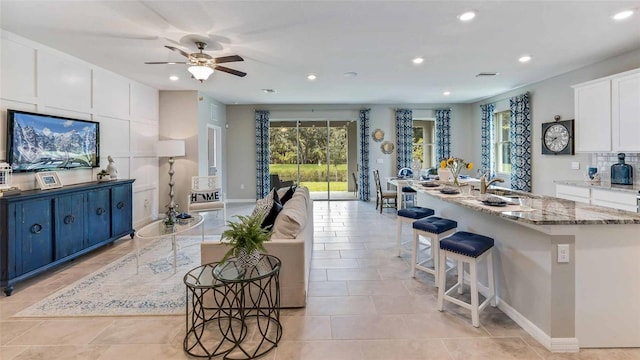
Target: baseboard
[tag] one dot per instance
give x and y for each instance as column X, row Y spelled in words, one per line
column 552, row 344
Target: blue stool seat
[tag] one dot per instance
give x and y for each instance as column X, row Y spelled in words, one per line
column 408, row 189
column 415, row 212
column 466, row 243
column 435, row 225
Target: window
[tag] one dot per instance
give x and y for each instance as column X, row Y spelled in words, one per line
column 501, row 142
column 423, row 142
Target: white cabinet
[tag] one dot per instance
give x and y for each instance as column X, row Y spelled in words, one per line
column 597, row 196
column 607, row 112
column 574, row 193
column 593, row 116
column 625, row 113
column 614, row 199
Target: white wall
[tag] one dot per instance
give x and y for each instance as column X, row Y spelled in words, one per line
column 241, row 136
column 39, row 79
column 184, row 115
column 551, row 97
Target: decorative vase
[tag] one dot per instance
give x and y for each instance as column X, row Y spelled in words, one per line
column 444, row 174
column 247, row 260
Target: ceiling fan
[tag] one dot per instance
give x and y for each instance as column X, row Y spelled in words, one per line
column 202, row 65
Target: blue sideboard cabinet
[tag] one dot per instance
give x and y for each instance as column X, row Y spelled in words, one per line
column 40, row 229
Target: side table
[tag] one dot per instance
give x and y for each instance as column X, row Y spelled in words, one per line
column 226, row 302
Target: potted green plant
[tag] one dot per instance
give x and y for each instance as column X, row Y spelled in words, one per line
column 104, row 175
column 246, row 238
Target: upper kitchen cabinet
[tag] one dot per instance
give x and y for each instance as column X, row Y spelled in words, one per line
column 607, row 112
column 593, row 116
column 625, row 113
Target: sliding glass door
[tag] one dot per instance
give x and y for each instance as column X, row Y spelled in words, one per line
column 315, row 154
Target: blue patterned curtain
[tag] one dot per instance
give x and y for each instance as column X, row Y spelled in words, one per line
column 520, row 133
column 363, row 155
column 404, row 138
column 443, row 134
column 263, row 157
column 487, row 132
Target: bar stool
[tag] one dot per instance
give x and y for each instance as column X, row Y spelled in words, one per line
column 468, row 248
column 409, row 215
column 434, row 228
column 408, row 193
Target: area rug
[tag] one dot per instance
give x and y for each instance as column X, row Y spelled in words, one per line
column 116, row 289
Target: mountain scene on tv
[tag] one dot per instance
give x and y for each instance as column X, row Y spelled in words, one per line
column 41, row 143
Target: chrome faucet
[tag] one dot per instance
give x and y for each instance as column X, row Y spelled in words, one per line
column 484, row 185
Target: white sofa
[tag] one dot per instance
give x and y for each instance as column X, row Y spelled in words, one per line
column 291, row 242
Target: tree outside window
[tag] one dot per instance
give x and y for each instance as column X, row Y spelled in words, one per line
column 501, row 142
column 423, row 142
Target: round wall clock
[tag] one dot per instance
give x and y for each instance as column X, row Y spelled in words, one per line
column 557, row 138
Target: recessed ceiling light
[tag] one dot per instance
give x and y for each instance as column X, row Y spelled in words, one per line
column 446, row 93
column 350, row 74
column 524, row 58
column 467, row 16
column 311, row 77
column 418, row 60
column 173, row 78
column 487, row 74
column 268, row 91
column 622, row 15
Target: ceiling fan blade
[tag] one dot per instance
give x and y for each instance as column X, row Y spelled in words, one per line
column 225, row 59
column 165, row 62
column 231, row 71
column 177, row 50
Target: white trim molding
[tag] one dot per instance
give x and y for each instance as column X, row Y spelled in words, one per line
column 552, row 344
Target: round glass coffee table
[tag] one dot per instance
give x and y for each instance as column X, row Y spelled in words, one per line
column 157, row 229
column 225, row 302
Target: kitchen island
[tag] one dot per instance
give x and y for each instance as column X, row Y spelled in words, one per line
column 593, row 300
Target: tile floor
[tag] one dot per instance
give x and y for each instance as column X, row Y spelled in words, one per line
column 362, row 304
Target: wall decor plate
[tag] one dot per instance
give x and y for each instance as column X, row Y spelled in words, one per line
column 387, row 147
column 377, row 135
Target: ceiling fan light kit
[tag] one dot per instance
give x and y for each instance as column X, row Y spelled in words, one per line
column 202, row 65
column 201, row 73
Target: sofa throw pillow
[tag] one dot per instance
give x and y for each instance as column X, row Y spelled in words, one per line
column 271, row 217
column 269, row 206
column 288, row 195
column 204, row 196
column 291, row 220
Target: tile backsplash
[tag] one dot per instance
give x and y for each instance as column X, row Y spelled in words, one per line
column 603, row 162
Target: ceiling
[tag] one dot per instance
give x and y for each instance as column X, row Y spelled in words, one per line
column 284, row 41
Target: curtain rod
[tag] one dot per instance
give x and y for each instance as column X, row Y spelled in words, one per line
column 312, row 110
column 505, row 98
column 436, row 108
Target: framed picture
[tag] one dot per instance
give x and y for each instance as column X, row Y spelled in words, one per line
column 48, row 180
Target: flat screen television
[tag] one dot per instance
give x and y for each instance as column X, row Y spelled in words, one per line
column 39, row 142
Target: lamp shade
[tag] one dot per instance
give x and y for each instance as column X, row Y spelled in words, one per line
column 200, row 72
column 170, row 148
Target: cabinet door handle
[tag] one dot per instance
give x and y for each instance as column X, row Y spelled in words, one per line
column 120, row 205
column 69, row 219
column 100, row 211
column 36, row 228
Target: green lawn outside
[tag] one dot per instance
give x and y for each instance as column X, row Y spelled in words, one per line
column 322, row 186
column 310, row 172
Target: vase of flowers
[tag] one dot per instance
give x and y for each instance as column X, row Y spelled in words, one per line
column 454, row 165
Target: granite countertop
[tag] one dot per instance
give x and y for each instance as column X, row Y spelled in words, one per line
column 545, row 210
column 603, row 185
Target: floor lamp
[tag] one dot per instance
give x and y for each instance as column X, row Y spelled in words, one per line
column 171, row 149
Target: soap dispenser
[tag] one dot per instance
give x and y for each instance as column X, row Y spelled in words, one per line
column 621, row 173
